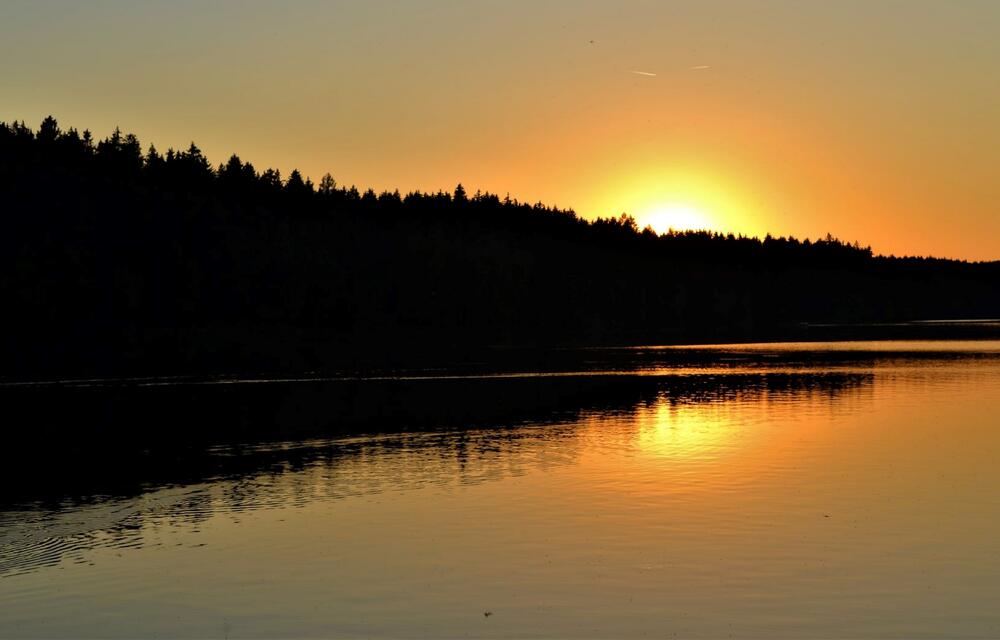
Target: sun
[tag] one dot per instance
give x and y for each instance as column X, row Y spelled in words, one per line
column 662, row 197
column 678, row 216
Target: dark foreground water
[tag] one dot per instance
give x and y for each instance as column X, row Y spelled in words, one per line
column 835, row 490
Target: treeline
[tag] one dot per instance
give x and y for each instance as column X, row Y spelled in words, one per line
column 120, row 261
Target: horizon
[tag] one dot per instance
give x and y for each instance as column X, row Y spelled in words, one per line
column 314, row 181
column 784, row 119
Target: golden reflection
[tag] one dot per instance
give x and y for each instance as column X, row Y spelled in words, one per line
column 685, row 431
column 754, row 424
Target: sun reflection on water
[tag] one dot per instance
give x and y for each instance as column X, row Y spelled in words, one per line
column 686, row 431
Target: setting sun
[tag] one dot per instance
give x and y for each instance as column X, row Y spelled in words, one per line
column 677, row 216
column 682, row 195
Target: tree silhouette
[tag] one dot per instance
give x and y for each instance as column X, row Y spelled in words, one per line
column 327, row 185
column 118, row 262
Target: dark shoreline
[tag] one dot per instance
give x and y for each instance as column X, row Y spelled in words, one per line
column 390, row 357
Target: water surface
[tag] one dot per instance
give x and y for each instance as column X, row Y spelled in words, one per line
column 803, row 490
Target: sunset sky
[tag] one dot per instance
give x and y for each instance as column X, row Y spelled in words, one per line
column 873, row 121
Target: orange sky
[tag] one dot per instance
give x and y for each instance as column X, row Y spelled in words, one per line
column 874, row 121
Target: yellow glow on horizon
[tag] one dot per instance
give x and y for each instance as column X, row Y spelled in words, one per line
column 677, row 216
column 683, row 199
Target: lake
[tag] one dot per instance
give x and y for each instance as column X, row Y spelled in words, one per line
column 806, row 490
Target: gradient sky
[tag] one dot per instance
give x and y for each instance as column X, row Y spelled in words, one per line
column 873, row 121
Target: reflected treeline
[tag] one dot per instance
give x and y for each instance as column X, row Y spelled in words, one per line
column 83, row 441
column 235, row 479
column 119, row 261
column 84, row 453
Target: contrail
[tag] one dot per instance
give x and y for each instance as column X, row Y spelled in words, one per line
column 701, row 66
column 643, row 73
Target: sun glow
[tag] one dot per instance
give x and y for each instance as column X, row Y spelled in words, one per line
column 678, row 216
column 683, row 198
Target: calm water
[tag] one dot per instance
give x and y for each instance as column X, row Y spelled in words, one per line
column 807, row 491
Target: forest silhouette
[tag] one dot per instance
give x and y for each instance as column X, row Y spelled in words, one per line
column 118, row 261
